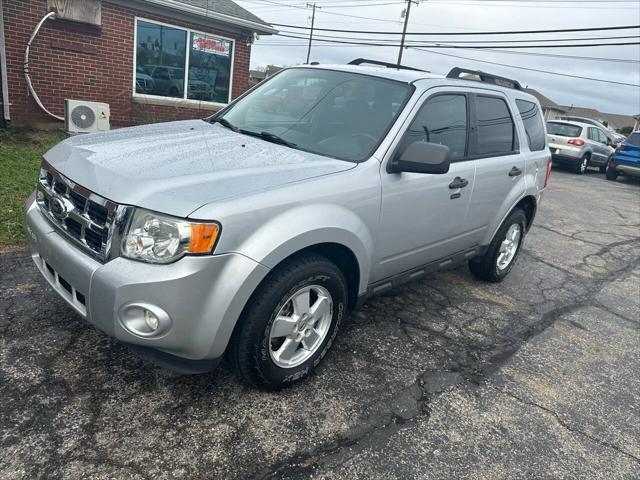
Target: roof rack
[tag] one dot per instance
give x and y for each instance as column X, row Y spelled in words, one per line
column 360, row 61
column 485, row 77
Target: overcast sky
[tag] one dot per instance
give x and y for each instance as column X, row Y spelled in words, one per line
column 474, row 16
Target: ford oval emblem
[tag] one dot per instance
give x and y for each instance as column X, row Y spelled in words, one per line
column 58, row 208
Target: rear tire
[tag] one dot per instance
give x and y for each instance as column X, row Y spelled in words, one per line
column 256, row 355
column 581, row 167
column 611, row 173
column 495, row 264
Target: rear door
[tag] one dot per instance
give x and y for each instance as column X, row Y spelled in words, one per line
column 424, row 216
column 500, row 165
column 605, row 148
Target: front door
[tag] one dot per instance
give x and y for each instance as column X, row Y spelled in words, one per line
column 424, row 216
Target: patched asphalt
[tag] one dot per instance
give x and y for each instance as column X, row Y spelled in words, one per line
column 448, row 377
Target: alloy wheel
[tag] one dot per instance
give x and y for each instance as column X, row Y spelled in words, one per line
column 300, row 326
column 509, row 246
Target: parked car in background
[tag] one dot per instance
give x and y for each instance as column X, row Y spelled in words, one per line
column 626, row 159
column 618, row 138
column 614, row 137
column 169, row 81
column 578, row 145
column 144, row 82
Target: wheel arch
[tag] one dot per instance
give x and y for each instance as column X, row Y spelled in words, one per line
column 333, row 231
column 530, row 206
column 343, row 257
column 528, row 203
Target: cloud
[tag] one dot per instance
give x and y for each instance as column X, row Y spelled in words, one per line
column 468, row 16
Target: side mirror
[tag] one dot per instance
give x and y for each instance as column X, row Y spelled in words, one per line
column 422, row 157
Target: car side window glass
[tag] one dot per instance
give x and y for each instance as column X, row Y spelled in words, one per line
column 591, row 134
column 442, row 119
column 496, row 130
column 603, row 137
column 533, row 124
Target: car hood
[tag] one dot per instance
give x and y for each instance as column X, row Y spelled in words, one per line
column 177, row 167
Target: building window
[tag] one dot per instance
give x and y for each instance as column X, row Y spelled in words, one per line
column 168, row 58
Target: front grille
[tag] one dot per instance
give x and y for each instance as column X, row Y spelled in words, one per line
column 77, row 213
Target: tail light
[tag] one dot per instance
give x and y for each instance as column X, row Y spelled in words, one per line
column 578, row 142
column 548, row 172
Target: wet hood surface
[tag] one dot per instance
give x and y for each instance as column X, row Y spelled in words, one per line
column 177, row 167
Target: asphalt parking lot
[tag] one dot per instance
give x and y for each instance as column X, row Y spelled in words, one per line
column 537, row 377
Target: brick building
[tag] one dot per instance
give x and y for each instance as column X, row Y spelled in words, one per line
column 150, row 60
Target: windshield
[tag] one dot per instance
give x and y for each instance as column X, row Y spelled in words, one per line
column 563, row 129
column 337, row 114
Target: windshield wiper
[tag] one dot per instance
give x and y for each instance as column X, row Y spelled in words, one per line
column 270, row 137
column 226, row 123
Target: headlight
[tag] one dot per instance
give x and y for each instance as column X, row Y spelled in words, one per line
column 157, row 238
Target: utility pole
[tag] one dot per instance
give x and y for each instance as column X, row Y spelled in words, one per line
column 313, row 21
column 404, row 29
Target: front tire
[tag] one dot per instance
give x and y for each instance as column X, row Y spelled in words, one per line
column 503, row 250
column 290, row 323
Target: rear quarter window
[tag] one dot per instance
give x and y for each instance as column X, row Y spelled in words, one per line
column 533, row 125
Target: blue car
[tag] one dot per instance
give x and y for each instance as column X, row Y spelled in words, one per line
column 626, row 159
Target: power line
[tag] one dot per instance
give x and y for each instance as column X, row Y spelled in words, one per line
column 527, row 68
column 342, row 37
column 513, row 32
column 432, row 45
column 545, row 5
column 550, row 55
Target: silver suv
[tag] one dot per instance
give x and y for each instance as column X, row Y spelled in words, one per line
column 254, row 232
column 579, row 145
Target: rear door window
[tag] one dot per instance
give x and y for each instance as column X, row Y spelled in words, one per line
column 496, row 130
column 533, row 125
column 563, row 129
column 603, row 136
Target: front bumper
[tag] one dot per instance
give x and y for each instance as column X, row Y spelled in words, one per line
column 203, row 296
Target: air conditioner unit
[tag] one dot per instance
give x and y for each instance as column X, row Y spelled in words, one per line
column 86, row 117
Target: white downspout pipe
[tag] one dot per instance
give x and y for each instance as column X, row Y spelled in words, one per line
column 3, row 68
column 26, row 66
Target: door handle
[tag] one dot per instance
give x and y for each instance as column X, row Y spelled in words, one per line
column 514, row 172
column 458, row 183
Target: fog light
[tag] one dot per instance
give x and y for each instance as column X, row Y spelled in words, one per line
column 151, row 320
column 144, row 320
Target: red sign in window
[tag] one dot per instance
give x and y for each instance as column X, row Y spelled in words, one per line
column 216, row 46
